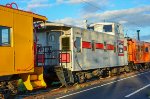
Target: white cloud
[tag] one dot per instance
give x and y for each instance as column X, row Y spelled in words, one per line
column 102, row 2
column 79, row 1
column 37, row 4
column 119, row 13
column 95, row 5
column 73, row 1
column 145, row 38
column 88, row 6
column 133, row 17
column 128, row 16
column 59, row 1
column 122, row 22
column 71, row 21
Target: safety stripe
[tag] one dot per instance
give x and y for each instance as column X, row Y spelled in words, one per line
column 99, row 46
column 110, row 47
column 86, row 44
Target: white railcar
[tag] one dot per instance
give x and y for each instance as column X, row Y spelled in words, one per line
column 100, row 46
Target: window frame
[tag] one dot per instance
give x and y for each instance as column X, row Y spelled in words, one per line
column 51, row 37
column 104, row 28
column 62, row 43
column 8, row 36
column 80, row 45
column 146, row 49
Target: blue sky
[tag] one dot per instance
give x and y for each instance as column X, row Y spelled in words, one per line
column 133, row 14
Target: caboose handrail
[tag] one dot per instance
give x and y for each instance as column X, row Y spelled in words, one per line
column 11, row 5
column 52, row 55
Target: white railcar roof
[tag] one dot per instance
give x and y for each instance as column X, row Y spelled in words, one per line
column 48, row 23
column 104, row 23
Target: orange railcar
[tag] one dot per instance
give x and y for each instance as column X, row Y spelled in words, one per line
column 138, row 51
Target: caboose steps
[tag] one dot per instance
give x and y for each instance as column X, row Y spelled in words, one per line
column 34, row 80
column 61, row 76
column 33, row 77
column 37, row 84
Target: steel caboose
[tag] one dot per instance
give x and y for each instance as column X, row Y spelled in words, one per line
column 77, row 54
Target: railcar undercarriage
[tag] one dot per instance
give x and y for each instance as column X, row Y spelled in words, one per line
column 8, row 89
column 67, row 77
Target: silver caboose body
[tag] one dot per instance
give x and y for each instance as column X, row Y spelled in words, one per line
column 102, row 45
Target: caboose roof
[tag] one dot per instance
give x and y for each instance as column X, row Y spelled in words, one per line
column 36, row 17
column 54, row 26
column 104, row 23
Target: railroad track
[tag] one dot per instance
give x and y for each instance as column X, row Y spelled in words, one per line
column 57, row 90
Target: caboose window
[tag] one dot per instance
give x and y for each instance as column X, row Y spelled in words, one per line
column 146, row 49
column 4, row 36
column 51, row 37
column 78, row 44
column 65, row 43
column 107, row 28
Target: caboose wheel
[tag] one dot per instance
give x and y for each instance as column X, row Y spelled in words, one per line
column 118, row 71
column 4, row 91
column 132, row 66
column 8, row 89
column 112, row 72
column 145, row 66
column 137, row 67
column 127, row 69
column 12, row 86
column 81, row 78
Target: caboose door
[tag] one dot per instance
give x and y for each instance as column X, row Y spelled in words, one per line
column 6, row 51
column 65, row 55
column 53, row 40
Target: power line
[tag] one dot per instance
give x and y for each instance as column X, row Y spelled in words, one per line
column 93, row 5
column 119, row 17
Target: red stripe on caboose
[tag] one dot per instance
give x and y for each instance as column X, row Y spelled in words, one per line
column 110, row 47
column 99, row 46
column 86, row 44
column 125, row 48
